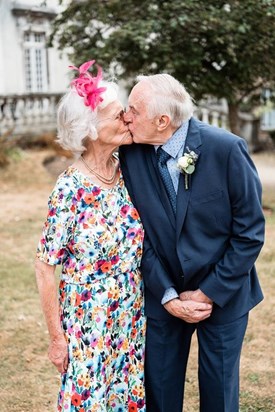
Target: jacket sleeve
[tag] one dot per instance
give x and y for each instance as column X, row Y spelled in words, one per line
column 155, row 276
column 247, row 232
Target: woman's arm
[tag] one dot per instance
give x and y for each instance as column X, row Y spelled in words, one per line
column 58, row 348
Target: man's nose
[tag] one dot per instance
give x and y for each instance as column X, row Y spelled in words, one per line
column 127, row 117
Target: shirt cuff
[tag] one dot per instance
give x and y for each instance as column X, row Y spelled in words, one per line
column 169, row 294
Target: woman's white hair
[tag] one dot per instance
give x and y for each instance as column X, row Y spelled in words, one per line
column 77, row 122
column 167, row 96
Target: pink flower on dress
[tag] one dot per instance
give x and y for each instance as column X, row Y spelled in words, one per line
column 131, row 233
column 124, row 210
column 80, row 193
column 108, row 341
column 114, row 259
column 85, row 295
column 52, row 211
column 96, row 190
column 93, row 340
column 85, row 394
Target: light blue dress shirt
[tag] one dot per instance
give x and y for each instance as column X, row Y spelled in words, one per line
column 174, row 147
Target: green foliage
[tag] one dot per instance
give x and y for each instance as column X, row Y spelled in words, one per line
column 217, row 47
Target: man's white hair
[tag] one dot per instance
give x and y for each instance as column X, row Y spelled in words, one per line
column 166, row 95
column 77, row 122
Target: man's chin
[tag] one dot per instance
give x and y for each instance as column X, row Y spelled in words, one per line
column 127, row 142
column 136, row 139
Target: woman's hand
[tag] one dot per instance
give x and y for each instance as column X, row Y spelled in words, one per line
column 58, row 353
column 58, row 348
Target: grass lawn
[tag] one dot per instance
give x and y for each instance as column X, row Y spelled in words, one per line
column 28, row 382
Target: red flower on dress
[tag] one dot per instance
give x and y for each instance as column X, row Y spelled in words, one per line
column 77, row 299
column 79, row 313
column 132, row 407
column 109, row 323
column 106, row 267
column 89, row 198
column 76, row 399
column 134, row 214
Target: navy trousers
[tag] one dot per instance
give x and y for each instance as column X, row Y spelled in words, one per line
column 167, row 350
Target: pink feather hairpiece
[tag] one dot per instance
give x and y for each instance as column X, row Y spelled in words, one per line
column 86, row 85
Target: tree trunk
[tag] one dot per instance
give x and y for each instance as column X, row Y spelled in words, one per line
column 234, row 120
column 246, row 126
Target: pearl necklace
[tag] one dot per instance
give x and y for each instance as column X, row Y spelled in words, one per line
column 103, row 179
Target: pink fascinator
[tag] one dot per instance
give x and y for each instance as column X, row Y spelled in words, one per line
column 86, row 85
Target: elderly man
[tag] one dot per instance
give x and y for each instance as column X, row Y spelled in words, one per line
column 199, row 198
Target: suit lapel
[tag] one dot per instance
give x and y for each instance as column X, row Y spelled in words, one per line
column 159, row 186
column 193, row 141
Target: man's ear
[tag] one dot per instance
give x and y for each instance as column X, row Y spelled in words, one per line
column 163, row 122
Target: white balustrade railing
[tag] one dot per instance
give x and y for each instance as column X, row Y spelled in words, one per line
column 214, row 116
column 36, row 114
column 28, row 113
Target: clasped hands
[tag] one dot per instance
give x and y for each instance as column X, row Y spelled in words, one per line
column 192, row 306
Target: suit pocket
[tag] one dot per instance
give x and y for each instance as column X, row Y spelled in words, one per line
column 208, row 197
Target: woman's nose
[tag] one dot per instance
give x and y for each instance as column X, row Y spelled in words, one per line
column 127, row 117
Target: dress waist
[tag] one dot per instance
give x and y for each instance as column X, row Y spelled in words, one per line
column 84, row 277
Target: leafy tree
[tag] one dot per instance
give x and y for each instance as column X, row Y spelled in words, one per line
column 216, row 47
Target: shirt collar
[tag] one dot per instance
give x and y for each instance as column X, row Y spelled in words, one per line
column 176, row 142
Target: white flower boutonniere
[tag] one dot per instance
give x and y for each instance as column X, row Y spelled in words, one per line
column 186, row 164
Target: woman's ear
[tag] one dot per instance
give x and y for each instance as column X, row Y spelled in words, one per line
column 163, row 122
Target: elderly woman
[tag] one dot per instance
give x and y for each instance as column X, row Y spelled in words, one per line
column 97, row 329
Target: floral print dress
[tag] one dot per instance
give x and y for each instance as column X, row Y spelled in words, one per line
column 96, row 235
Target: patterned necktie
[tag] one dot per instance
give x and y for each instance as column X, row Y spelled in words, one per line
column 162, row 158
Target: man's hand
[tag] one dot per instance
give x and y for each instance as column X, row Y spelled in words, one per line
column 196, row 295
column 189, row 310
column 58, row 353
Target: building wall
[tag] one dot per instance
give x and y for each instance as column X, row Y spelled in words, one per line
column 1, row 48
column 10, row 63
column 12, row 66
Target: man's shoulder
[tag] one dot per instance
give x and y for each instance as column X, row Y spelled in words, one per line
column 216, row 135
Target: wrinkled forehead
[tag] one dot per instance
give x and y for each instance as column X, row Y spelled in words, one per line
column 139, row 94
column 111, row 109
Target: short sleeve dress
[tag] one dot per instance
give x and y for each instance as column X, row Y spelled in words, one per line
column 96, row 235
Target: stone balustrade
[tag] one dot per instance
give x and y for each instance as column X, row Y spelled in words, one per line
column 31, row 114
column 212, row 115
column 35, row 114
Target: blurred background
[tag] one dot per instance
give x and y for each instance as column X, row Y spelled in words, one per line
column 224, row 54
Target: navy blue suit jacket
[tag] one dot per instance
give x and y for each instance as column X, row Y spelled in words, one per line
column 218, row 231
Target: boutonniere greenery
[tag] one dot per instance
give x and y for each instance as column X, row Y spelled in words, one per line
column 186, row 165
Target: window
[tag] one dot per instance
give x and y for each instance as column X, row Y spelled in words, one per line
column 268, row 116
column 35, row 61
